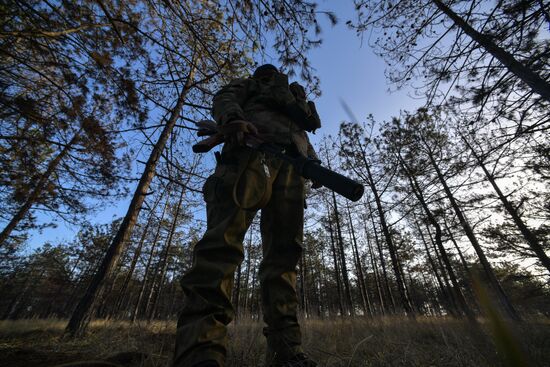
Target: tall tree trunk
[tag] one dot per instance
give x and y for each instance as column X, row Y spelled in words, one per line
column 376, row 275
column 82, row 314
column 405, row 302
column 382, row 260
column 443, row 292
column 527, row 234
column 37, row 190
column 165, row 259
column 367, row 306
column 237, row 293
column 468, row 272
column 336, row 267
column 11, row 312
column 493, row 281
column 322, row 284
column 137, row 255
column 413, row 294
column 345, row 277
column 302, row 285
column 456, row 291
column 253, row 295
column 62, row 287
column 247, row 276
column 340, row 241
column 524, row 73
column 149, row 261
column 76, row 288
column 455, row 244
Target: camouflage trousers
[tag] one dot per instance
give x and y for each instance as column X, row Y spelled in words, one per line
column 201, row 331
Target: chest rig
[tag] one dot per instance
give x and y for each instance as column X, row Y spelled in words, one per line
column 276, row 94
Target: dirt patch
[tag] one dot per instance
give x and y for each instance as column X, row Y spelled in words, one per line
column 25, row 357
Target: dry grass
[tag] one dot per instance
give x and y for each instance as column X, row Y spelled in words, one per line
column 347, row 342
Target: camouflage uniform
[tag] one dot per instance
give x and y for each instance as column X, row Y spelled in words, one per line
column 248, row 176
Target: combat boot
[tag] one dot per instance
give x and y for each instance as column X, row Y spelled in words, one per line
column 210, row 363
column 298, row 360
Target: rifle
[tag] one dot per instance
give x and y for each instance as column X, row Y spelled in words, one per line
column 307, row 167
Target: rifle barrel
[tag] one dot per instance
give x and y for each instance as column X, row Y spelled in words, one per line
column 334, row 181
column 311, row 169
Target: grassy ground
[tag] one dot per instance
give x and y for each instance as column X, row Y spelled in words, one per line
column 349, row 342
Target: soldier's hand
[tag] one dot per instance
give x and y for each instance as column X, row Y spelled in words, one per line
column 236, row 130
column 315, row 185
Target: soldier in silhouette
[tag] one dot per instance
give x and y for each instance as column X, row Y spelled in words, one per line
column 244, row 182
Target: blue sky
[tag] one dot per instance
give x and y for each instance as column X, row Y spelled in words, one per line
column 348, row 72
column 351, row 72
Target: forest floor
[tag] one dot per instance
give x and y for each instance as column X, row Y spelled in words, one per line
column 342, row 342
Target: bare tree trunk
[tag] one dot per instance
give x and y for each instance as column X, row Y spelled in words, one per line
column 165, row 259
column 524, row 73
column 247, row 276
column 405, row 302
column 382, row 260
column 253, row 295
column 456, row 292
column 13, row 308
column 37, row 190
column 367, row 306
column 59, row 291
column 76, row 288
column 442, row 280
column 148, row 265
column 137, row 255
column 336, row 267
column 460, row 255
column 433, row 293
column 237, row 292
column 302, row 285
column 529, row 236
column 345, row 278
column 322, row 284
column 82, row 314
column 493, row 281
column 375, row 272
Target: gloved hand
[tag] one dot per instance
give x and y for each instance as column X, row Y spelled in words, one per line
column 315, row 185
column 236, row 130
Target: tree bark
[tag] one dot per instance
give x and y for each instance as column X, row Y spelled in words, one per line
column 405, row 302
column 455, row 244
column 447, row 300
column 376, row 275
column 237, row 292
column 527, row 234
column 493, row 281
column 38, row 189
column 456, row 291
column 524, row 73
column 336, row 267
column 340, row 241
column 148, row 265
column 135, row 258
column 382, row 260
column 367, row 306
column 82, row 314
column 247, row 276
column 165, row 259
column 303, row 284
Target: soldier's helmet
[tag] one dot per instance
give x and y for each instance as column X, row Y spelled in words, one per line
column 265, row 70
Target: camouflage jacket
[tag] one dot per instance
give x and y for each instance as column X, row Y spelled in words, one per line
column 262, row 102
